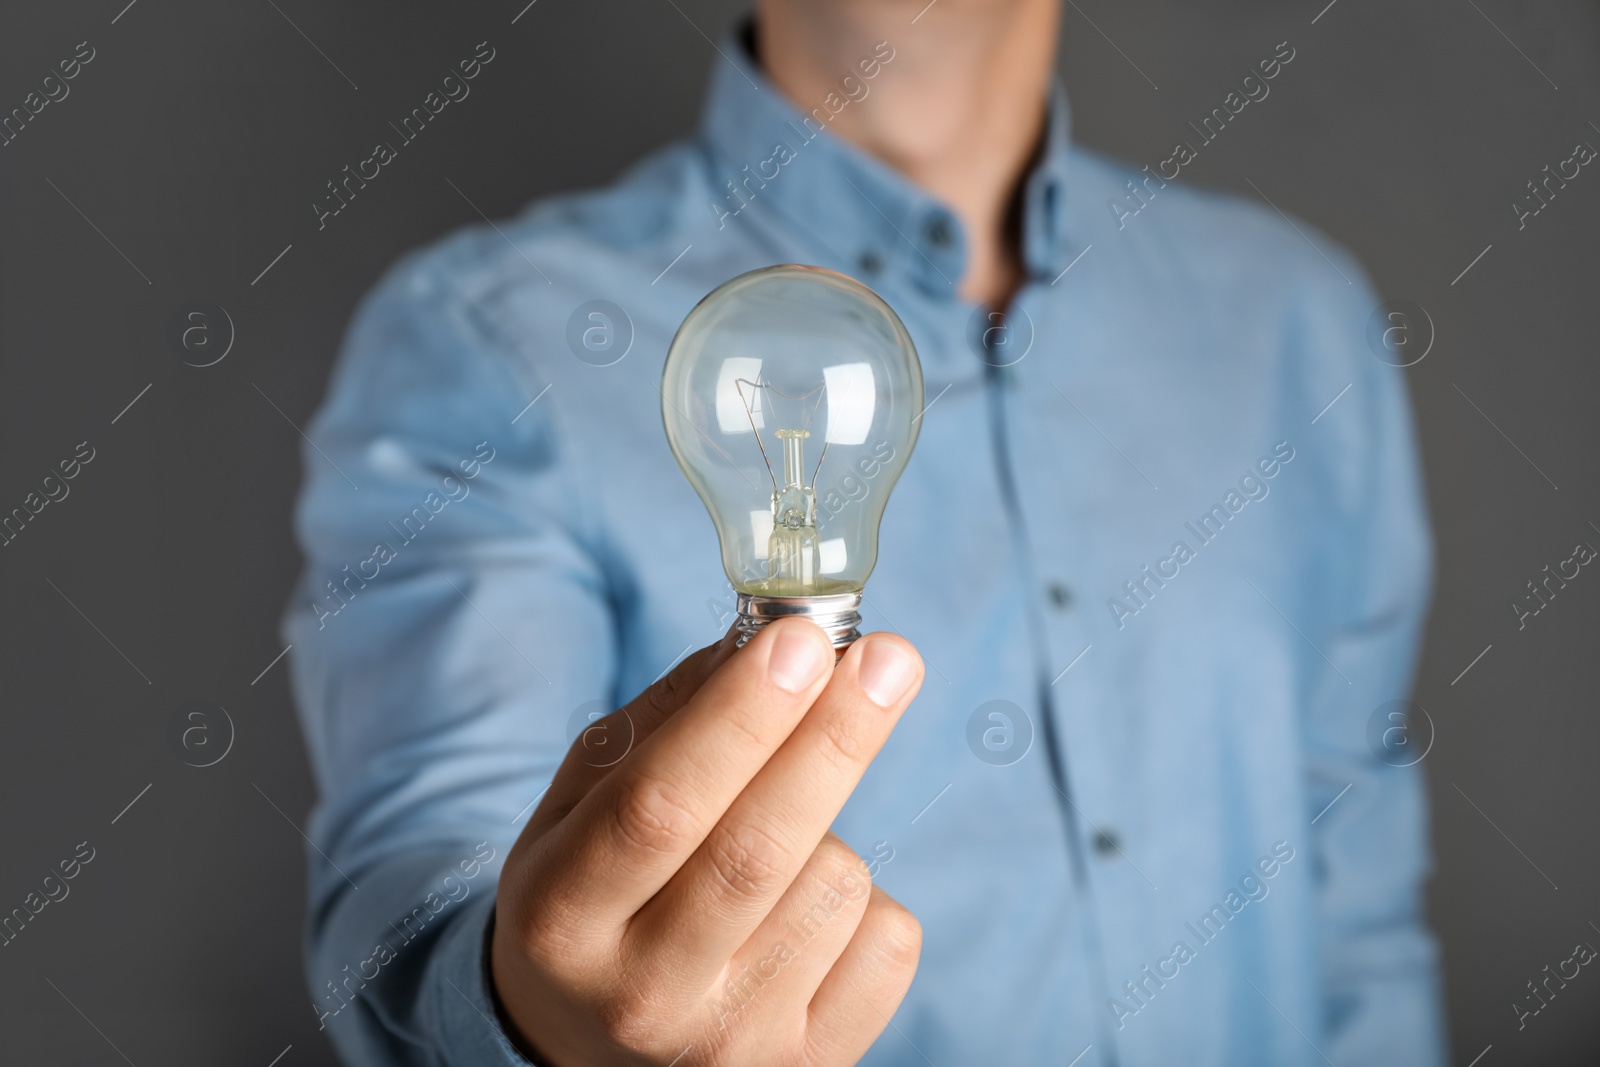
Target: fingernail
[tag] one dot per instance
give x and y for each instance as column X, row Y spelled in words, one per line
column 887, row 671
column 797, row 659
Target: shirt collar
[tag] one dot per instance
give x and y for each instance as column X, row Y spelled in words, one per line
column 772, row 158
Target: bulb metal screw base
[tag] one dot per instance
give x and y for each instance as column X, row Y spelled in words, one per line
column 839, row 614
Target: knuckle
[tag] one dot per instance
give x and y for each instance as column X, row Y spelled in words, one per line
column 746, row 719
column 665, row 697
column 662, row 699
column 746, row 860
column 842, row 743
column 630, row 1018
column 596, row 743
column 650, row 816
column 897, row 935
column 836, row 883
column 836, row 862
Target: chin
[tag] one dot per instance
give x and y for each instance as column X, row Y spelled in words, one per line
column 878, row 10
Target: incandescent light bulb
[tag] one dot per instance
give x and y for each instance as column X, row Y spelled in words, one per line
column 791, row 397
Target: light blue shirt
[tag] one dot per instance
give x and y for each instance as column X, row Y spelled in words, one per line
column 1188, row 582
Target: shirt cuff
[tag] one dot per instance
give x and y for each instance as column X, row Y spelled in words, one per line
column 468, row 1028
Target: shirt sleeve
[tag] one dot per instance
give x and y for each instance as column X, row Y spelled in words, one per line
column 449, row 620
column 1369, row 830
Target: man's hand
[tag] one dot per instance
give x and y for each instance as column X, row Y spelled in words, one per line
column 686, row 904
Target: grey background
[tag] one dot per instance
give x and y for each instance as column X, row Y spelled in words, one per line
column 196, row 141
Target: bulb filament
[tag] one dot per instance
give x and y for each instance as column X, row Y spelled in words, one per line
column 793, row 548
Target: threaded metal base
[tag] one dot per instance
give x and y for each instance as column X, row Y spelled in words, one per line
column 838, row 614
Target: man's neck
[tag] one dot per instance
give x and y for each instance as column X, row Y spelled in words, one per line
column 960, row 113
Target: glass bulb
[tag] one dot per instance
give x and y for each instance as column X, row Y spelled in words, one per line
column 791, row 397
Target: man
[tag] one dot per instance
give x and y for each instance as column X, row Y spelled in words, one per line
column 1157, row 598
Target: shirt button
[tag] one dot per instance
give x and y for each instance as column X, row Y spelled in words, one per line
column 938, row 232
column 1060, row 596
column 1106, row 843
column 870, row 263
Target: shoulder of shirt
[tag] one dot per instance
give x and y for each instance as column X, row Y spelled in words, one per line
column 564, row 244
column 1233, row 267
column 1209, row 237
